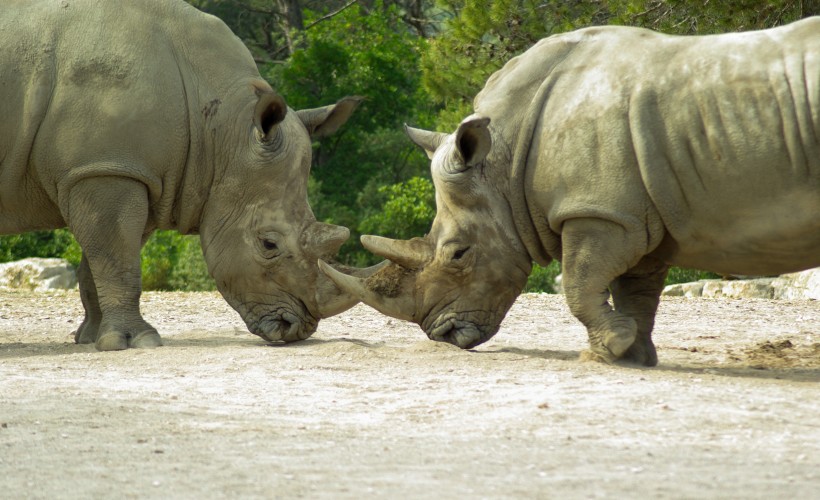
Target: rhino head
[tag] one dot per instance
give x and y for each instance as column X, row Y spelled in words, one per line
column 459, row 281
column 259, row 236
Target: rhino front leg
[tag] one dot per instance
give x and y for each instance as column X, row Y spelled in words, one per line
column 89, row 328
column 108, row 217
column 637, row 295
column 595, row 252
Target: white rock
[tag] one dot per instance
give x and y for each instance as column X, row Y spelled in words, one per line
column 803, row 285
column 38, row 274
column 740, row 289
column 693, row 289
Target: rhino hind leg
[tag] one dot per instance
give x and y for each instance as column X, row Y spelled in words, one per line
column 595, row 253
column 637, row 295
column 108, row 217
column 89, row 328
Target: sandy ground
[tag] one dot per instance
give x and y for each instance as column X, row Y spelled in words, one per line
column 368, row 407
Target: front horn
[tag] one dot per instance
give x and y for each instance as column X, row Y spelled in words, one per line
column 331, row 299
column 387, row 294
column 324, row 240
column 412, row 254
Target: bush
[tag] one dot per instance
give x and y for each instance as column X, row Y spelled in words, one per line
column 35, row 244
column 190, row 272
column 542, row 279
column 171, row 261
column 680, row 275
column 408, row 210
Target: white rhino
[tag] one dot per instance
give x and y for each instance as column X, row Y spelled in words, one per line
column 119, row 117
column 618, row 151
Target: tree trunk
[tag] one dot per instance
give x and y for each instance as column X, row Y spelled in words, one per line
column 291, row 20
column 415, row 16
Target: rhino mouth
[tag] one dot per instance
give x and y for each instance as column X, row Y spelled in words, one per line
column 455, row 329
column 283, row 325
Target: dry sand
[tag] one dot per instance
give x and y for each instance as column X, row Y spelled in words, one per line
column 368, row 407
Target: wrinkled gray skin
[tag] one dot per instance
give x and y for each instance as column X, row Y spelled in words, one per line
column 619, row 152
column 122, row 117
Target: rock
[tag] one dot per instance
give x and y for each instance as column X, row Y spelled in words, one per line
column 693, row 289
column 38, row 274
column 802, row 285
column 794, row 286
column 737, row 289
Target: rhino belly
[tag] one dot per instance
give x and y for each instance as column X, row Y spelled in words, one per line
column 767, row 238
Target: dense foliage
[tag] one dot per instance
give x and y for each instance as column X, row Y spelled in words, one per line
column 415, row 61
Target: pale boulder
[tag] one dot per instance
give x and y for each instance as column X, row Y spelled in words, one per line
column 804, row 285
column 38, row 274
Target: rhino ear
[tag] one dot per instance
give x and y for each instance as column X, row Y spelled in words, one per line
column 473, row 139
column 270, row 110
column 321, row 122
column 428, row 141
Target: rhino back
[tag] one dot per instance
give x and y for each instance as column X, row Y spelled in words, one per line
column 709, row 142
column 99, row 87
column 729, row 149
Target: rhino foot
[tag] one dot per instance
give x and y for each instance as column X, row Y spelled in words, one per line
column 612, row 340
column 118, row 341
column 642, row 352
column 619, row 337
column 147, row 339
column 86, row 333
column 596, row 357
column 112, row 341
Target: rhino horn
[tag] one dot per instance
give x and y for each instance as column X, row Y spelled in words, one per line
column 323, row 240
column 412, row 254
column 399, row 306
column 428, row 141
column 331, row 299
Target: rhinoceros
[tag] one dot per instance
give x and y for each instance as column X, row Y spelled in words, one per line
column 618, row 151
column 121, row 117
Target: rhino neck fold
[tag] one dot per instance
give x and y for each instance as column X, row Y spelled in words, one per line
column 517, row 195
column 192, row 192
column 198, row 172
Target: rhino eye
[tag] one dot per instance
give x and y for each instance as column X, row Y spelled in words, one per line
column 270, row 249
column 460, row 253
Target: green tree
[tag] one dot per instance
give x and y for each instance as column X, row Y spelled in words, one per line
column 482, row 35
column 407, row 210
column 701, row 17
column 373, row 55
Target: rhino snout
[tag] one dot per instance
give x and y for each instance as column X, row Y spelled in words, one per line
column 463, row 333
column 283, row 325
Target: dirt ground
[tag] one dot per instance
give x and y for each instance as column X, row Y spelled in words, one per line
column 368, row 407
